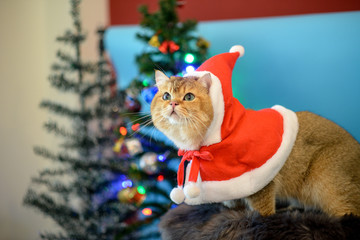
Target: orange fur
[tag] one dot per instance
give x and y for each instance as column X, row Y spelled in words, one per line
column 323, row 169
column 188, row 127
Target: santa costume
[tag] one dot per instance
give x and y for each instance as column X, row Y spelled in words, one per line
column 243, row 149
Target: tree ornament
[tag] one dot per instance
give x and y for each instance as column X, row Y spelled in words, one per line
column 134, row 146
column 149, row 93
column 148, row 163
column 131, row 195
column 202, row 43
column 154, row 41
column 118, row 145
column 132, row 104
column 173, row 47
column 168, row 46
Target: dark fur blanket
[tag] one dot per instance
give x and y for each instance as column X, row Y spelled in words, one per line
column 215, row 222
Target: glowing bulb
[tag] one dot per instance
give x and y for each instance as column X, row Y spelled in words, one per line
column 141, row 190
column 161, row 158
column 126, row 183
column 147, row 211
column 145, row 83
column 123, row 131
column 190, row 69
column 160, row 178
column 189, row 58
column 135, row 127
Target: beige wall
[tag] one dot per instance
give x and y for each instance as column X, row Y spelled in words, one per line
column 27, row 48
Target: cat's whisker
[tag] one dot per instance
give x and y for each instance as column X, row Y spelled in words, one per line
column 196, row 128
column 145, row 124
column 135, row 113
column 198, row 120
column 138, row 119
column 152, row 133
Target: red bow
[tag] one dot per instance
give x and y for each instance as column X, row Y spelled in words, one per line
column 195, row 157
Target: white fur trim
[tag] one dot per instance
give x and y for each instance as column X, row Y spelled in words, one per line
column 251, row 182
column 238, row 48
column 191, row 190
column 213, row 134
column 177, row 195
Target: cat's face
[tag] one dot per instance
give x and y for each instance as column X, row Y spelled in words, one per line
column 182, row 109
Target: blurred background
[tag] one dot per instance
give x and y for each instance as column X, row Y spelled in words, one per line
column 302, row 54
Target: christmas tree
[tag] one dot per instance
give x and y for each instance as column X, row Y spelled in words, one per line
column 173, row 46
column 79, row 191
column 111, row 178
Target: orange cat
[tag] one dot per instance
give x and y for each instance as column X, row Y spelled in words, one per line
column 323, row 169
column 236, row 153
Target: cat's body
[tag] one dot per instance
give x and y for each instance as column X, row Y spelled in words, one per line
column 322, row 170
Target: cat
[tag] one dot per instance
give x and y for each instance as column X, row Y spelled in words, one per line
column 322, row 170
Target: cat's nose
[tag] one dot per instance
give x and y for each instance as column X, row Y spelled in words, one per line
column 173, row 104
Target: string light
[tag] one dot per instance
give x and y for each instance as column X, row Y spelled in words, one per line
column 135, row 127
column 126, row 184
column 141, row 190
column 160, row 178
column 189, row 58
column 147, row 211
column 190, row 69
column 161, row 158
column 123, row 131
column 145, row 83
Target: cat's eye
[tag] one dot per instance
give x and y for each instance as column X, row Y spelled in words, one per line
column 189, row 97
column 166, row 96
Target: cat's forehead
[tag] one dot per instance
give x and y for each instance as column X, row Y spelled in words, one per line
column 176, row 83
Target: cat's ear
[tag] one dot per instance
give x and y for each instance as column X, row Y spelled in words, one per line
column 205, row 80
column 160, row 77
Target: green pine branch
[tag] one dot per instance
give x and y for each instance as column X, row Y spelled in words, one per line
column 54, row 236
column 61, row 213
column 54, row 172
column 75, row 63
column 63, row 83
column 71, row 38
column 57, row 108
column 53, row 186
column 53, row 127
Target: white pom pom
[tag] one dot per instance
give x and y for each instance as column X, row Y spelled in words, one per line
column 177, row 195
column 238, row 48
column 191, row 190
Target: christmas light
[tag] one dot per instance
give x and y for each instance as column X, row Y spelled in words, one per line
column 190, row 69
column 135, row 127
column 160, row 178
column 161, row 158
column 145, row 83
column 126, row 183
column 123, row 131
column 141, row 190
column 189, row 58
column 147, row 211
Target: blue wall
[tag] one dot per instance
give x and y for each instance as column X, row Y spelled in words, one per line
column 308, row 62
